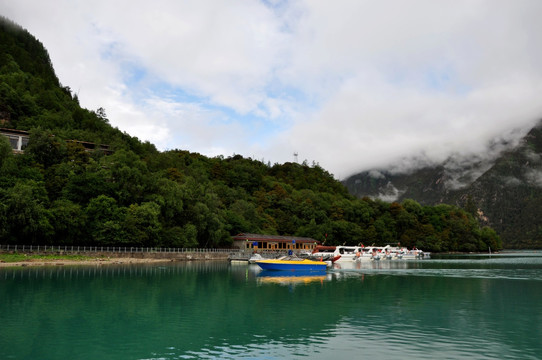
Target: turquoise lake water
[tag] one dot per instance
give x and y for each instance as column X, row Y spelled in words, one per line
column 467, row 307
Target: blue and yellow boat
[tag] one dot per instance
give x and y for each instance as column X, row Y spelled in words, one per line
column 292, row 265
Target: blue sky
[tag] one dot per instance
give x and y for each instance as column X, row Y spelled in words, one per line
column 349, row 84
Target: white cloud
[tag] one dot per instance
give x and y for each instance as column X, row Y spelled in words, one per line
column 512, row 181
column 375, row 174
column 390, row 193
column 349, row 84
column 534, row 177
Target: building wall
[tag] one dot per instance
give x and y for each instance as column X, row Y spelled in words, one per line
column 273, row 245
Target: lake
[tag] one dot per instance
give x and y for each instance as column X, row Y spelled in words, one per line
column 476, row 307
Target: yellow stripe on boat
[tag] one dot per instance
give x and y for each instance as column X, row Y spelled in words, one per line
column 304, row 261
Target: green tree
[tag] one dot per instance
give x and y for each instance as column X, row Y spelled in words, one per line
column 142, row 224
column 82, row 187
column 180, row 237
column 8, row 164
column 127, row 175
column 68, row 222
column 24, row 214
column 105, row 222
column 45, row 148
column 169, row 195
column 312, row 230
column 490, row 239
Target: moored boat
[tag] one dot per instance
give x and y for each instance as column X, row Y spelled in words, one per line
column 392, row 253
column 336, row 253
column 292, row 264
column 362, row 253
column 255, row 257
column 415, row 254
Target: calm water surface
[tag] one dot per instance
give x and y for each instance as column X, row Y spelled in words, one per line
column 475, row 307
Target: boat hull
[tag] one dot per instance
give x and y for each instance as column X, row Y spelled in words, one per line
column 292, row 265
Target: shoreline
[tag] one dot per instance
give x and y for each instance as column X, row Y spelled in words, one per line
column 98, row 258
column 88, row 262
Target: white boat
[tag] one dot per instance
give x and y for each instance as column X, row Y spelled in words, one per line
column 256, row 257
column 373, row 253
column 415, row 254
column 391, row 253
column 347, row 254
column 340, row 254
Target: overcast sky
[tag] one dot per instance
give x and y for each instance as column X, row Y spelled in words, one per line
column 350, row 85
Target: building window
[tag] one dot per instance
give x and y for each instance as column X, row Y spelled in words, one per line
column 14, row 142
column 24, row 142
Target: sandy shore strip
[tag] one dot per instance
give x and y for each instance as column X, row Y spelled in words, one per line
column 96, row 261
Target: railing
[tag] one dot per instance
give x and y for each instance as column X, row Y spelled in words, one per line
column 244, row 255
column 114, row 249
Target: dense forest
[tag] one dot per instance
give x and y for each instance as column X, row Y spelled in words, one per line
column 57, row 192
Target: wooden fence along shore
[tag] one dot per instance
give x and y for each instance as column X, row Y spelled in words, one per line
column 116, row 249
column 125, row 252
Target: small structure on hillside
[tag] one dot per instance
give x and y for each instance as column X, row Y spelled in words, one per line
column 90, row 146
column 18, row 139
column 246, row 241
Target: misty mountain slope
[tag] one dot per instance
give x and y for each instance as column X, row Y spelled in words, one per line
column 505, row 192
column 427, row 184
column 510, row 193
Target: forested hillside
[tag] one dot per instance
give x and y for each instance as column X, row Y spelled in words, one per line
column 58, row 193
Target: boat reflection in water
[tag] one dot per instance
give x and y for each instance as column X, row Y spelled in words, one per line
column 374, row 265
column 292, row 278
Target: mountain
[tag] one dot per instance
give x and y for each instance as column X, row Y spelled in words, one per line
column 55, row 189
column 504, row 191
